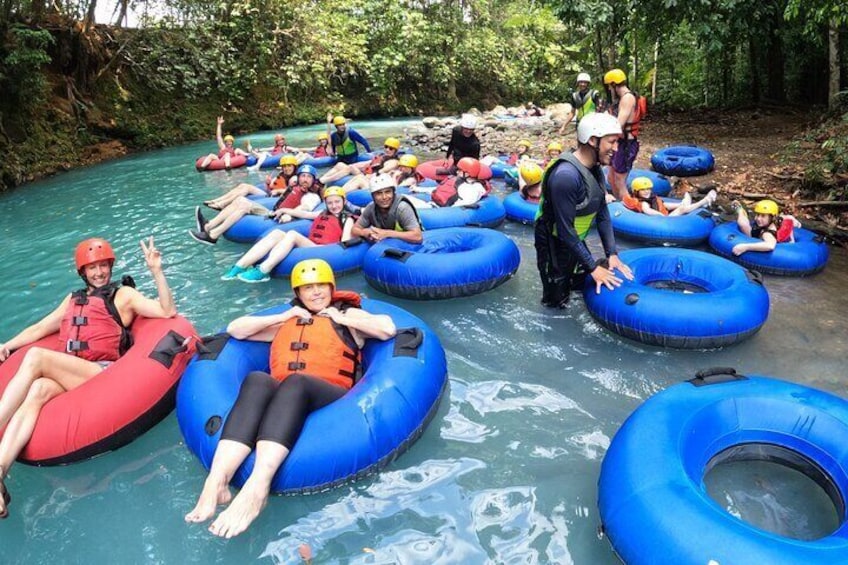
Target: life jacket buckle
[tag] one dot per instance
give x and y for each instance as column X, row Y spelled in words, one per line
column 304, row 321
column 73, row 345
column 296, row 365
column 299, row 345
column 79, row 321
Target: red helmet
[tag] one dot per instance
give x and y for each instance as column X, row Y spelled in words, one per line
column 93, row 250
column 470, row 165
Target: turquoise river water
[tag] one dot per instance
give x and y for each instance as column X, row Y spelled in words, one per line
column 506, row 472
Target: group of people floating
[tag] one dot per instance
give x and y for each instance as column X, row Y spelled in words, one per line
column 270, row 410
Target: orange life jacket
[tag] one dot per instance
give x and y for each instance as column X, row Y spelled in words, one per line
column 318, row 347
column 654, row 202
column 280, row 181
column 640, row 108
column 376, row 164
column 91, row 327
column 327, row 228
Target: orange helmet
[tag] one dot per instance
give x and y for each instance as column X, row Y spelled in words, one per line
column 93, row 250
column 470, row 165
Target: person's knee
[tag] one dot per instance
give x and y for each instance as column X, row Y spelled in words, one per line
column 34, row 357
column 41, row 391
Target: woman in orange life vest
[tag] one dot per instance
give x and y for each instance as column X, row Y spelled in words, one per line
column 530, row 181
column 270, row 409
column 768, row 226
column 404, row 175
column 297, row 201
column 331, row 226
column 380, row 163
column 225, row 148
column 88, row 347
column 644, row 202
column 273, row 186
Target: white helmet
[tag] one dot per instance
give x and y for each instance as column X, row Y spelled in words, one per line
column 381, row 182
column 584, row 77
column 468, row 121
column 597, row 125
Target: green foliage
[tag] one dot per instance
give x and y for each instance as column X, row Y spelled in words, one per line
column 21, row 76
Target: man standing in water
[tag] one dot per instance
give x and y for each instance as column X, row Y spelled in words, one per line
column 572, row 199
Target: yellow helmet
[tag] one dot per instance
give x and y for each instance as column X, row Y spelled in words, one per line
column 526, row 143
column 334, row 191
column 555, row 146
column 641, row 183
column 392, row 142
column 530, row 172
column 408, row 160
column 766, row 207
column 615, row 76
column 229, row 138
column 288, row 159
column 312, row 271
column 339, row 121
column 322, row 136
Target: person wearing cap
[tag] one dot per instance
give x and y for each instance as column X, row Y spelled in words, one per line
column 463, row 189
column 463, row 143
column 521, row 152
column 552, row 152
column 225, row 148
column 624, row 106
column 572, row 200
column 297, row 201
column 271, row 408
column 403, row 173
column 768, row 226
column 384, row 162
column 530, row 181
column 584, row 100
column 321, row 150
column 280, row 147
column 333, row 225
column 645, row 202
column 343, row 141
column 93, row 326
column 388, row 215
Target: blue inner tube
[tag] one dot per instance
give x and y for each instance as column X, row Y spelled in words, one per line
column 807, row 256
column 688, row 230
column 499, row 166
column 251, row 228
column 447, row 264
column 343, row 257
column 380, row 417
column 320, row 162
column 511, row 177
column 662, row 186
column 683, row 161
column 652, row 500
column 489, row 212
column 681, row 298
column 270, row 162
column 362, row 197
column 520, row 210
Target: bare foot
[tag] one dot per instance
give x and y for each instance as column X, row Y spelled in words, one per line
column 212, row 495
column 244, row 509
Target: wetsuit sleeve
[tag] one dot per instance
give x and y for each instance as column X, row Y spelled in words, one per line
column 475, row 149
column 355, row 136
column 406, row 217
column 567, row 192
column 603, row 221
column 451, row 144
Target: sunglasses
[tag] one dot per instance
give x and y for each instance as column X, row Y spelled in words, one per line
column 389, row 147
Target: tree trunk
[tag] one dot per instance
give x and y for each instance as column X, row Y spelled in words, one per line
column 775, row 61
column 89, row 16
column 121, row 19
column 634, row 69
column 726, row 75
column 599, row 49
column 654, row 78
column 833, row 62
column 753, row 69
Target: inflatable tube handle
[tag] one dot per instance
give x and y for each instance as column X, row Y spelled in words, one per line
column 473, row 206
column 210, row 346
column 716, row 375
column 474, row 224
column 407, row 342
column 398, row 254
column 754, row 276
column 351, row 242
column 168, row 348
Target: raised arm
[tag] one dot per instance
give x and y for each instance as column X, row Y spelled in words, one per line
column 163, row 306
column 47, row 325
column 218, row 135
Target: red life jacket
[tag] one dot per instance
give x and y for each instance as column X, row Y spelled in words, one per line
column 225, row 150
column 640, row 109
column 445, row 194
column 294, row 194
column 92, row 328
column 327, row 228
column 375, row 165
column 318, row 347
column 320, row 151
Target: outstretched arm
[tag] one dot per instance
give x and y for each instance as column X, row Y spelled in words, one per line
column 44, row 327
column 357, row 137
column 218, row 135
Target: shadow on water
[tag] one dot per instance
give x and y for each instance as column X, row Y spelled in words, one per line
column 506, row 472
